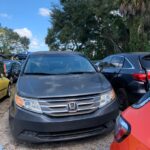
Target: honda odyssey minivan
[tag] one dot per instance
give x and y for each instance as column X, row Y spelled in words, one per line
column 61, row 96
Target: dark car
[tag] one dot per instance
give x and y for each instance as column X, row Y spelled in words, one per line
column 12, row 70
column 129, row 75
column 60, row 96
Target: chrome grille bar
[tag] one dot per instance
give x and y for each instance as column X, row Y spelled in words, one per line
column 60, row 107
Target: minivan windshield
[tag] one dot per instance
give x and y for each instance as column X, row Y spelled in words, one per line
column 58, row 64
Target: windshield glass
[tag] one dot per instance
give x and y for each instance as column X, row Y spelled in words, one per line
column 58, row 64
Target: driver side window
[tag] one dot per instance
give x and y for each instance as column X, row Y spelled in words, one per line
column 105, row 62
column 117, row 62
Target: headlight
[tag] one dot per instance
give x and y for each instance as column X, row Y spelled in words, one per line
column 106, row 98
column 29, row 104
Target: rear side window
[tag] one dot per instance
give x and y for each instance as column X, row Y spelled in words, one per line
column 107, row 59
column 117, row 62
column 127, row 64
column 145, row 61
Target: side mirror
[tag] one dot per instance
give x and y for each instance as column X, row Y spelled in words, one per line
column 99, row 69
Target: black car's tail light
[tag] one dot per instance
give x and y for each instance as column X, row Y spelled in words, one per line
column 139, row 77
column 122, row 129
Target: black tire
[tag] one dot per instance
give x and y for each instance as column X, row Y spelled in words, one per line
column 9, row 91
column 122, row 98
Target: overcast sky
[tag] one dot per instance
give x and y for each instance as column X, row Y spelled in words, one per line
column 28, row 18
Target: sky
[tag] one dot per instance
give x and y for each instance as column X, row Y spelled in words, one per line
column 28, row 18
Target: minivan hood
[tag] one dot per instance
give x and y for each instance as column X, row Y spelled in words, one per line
column 34, row 86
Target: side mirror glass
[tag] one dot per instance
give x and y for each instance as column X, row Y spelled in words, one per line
column 99, row 69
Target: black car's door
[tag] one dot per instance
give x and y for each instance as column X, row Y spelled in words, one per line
column 112, row 70
column 16, row 69
column 145, row 64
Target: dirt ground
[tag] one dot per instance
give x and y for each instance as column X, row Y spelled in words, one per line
column 7, row 141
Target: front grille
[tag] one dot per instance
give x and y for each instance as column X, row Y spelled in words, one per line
column 70, row 106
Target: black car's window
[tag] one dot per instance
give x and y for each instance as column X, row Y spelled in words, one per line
column 145, row 61
column 107, row 59
column 117, row 62
column 17, row 67
column 57, row 64
column 105, row 63
column 127, row 64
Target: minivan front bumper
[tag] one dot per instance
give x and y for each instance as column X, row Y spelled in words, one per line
column 38, row 128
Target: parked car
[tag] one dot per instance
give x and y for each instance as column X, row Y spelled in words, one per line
column 60, row 96
column 132, row 127
column 12, row 70
column 4, row 83
column 129, row 75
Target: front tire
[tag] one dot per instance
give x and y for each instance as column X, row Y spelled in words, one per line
column 122, row 98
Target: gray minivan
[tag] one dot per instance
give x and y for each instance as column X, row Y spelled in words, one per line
column 61, row 96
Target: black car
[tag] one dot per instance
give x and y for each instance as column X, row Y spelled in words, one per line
column 60, row 96
column 12, row 69
column 129, row 75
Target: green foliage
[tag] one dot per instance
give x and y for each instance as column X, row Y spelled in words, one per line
column 96, row 28
column 137, row 15
column 11, row 42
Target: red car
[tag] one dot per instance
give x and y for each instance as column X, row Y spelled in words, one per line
column 132, row 131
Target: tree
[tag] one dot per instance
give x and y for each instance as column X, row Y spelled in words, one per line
column 97, row 27
column 90, row 26
column 11, row 42
column 137, row 14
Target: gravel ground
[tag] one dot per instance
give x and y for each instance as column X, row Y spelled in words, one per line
column 7, row 141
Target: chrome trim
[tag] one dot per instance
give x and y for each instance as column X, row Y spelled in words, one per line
column 59, row 107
